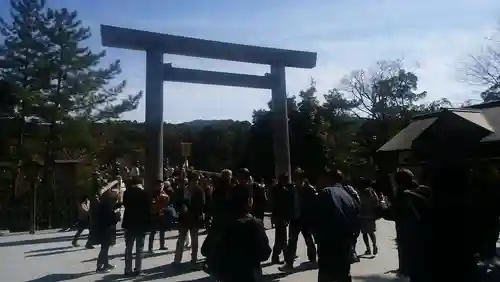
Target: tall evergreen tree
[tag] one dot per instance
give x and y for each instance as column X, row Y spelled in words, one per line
column 60, row 79
column 309, row 130
column 20, row 54
column 76, row 87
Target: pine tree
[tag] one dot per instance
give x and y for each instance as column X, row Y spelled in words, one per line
column 77, row 88
column 56, row 77
column 308, row 130
column 19, row 54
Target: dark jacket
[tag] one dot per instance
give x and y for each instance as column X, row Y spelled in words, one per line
column 304, row 198
column 222, row 207
column 208, row 200
column 414, row 229
column 93, row 211
column 245, row 246
column 336, row 216
column 259, row 199
column 137, row 217
column 282, row 202
column 105, row 223
column 190, row 204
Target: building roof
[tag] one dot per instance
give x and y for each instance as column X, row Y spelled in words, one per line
column 486, row 115
column 493, row 116
column 403, row 140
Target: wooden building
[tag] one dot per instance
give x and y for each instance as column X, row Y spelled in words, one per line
column 471, row 132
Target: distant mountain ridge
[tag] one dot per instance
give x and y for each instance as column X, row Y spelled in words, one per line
column 202, row 123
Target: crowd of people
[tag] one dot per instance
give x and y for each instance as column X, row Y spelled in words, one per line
column 331, row 215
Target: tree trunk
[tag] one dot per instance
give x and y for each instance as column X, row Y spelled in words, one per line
column 17, row 164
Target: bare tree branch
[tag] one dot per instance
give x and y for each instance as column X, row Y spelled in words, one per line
column 483, row 69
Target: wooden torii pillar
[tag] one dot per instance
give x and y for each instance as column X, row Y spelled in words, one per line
column 156, row 45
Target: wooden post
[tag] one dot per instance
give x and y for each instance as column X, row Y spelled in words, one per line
column 281, row 139
column 154, row 118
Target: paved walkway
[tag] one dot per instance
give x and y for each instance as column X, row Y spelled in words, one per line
column 49, row 257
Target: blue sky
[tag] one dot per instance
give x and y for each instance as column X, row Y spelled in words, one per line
column 433, row 37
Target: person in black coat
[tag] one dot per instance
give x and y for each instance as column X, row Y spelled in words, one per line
column 206, row 185
column 222, row 212
column 136, row 222
column 83, row 218
column 158, row 208
column 303, row 200
column 190, row 203
column 244, row 243
column 260, row 200
column 105, row 227
column 281, row 214
column 244, row 178
column 335, row 225
column 93, row 207
column 221, row 198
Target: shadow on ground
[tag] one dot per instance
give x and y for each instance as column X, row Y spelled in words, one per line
column 59, row 277
column 374, row 278
column 274, row 277
column 58, row 237
column 144, row 255
column 45, row 240
column 39, row 241
column 203, row 279
column 53, row 253
column 49, row 249
column 157, row 273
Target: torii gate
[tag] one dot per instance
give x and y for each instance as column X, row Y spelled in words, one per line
column 157, row 44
